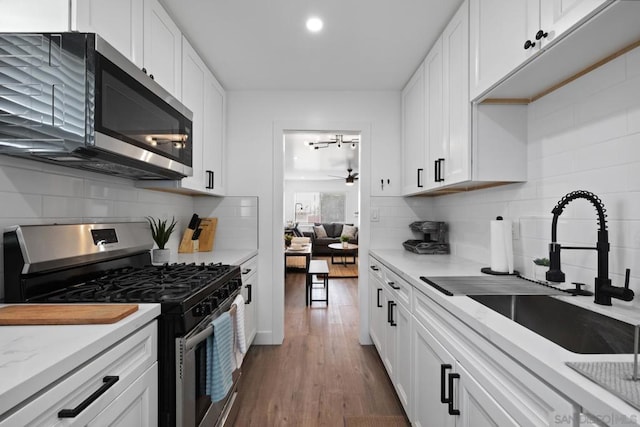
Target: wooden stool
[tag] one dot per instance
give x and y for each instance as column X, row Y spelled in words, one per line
column 321, row 269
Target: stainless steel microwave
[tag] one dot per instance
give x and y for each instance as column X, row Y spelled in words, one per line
column 73, row 100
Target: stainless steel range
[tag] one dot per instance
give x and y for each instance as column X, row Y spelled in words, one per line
column 111, row 263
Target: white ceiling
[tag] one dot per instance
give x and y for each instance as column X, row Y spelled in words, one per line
column 304, row 163
column 264, row 45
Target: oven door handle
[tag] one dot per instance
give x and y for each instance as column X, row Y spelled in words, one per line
column 193, row 341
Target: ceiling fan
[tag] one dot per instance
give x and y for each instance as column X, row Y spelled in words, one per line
column 350, row 179
column 339, row 140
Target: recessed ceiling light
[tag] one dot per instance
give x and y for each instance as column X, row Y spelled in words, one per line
column 314, row 24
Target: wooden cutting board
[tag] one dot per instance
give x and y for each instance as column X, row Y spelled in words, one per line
column 64, row 314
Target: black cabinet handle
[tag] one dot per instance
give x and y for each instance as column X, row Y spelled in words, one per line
column 393, row 285
column 249, row 287
column 108, row 381
column 450, row 400
column 247, row 271
column 389, row 311
column 440, row 170
column 420, row 170
column 436, row 163
column 541, row 35
column 210, row 182
column 375, row 268
column 391, row 321
column 378, row 298
column 529, row 44
column 443, row 373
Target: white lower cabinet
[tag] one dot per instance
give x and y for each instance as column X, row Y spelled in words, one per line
column 446, row 374
column 377, row 307
column 249, row 271
column 117, row 388
column 445, row 393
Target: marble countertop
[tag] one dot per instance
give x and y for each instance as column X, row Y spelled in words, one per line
column 33, row 357
column 541, row 356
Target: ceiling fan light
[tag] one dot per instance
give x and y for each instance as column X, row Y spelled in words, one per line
column 349, row 183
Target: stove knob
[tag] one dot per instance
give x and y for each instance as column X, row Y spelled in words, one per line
column 198, row 310
column 214, row 302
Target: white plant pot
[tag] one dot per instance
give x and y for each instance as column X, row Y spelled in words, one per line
column 161, row 256
column 345, row 245
column 539, row 272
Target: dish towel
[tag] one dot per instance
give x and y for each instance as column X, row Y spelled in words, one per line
column 220, row 358
column 241, row 344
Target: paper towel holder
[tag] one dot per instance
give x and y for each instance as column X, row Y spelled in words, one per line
column 488, row 270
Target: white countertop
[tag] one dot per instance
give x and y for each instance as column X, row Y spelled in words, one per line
column 541, row 356
column 233, row 257
column 33, row 357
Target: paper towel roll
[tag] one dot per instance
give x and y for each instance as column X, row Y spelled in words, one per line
column 501, row 246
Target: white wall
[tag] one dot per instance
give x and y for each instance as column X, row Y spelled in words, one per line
column 237, row 220
column 338, row 186
column 253, row 119
column 584, row 136
column 38, row 193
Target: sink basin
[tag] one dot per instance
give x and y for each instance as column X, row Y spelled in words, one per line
column 574, row 328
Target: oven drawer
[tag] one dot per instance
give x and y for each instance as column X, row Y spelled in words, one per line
column 127, row 361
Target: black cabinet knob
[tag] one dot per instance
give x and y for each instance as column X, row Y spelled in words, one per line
column 144, row 70
column 541, row 35
column 151, row 75
column 529, row 44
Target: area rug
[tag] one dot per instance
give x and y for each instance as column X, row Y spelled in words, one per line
column 375, row 421
column 338, row 271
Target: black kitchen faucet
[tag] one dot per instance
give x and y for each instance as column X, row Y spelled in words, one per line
column 604, row 291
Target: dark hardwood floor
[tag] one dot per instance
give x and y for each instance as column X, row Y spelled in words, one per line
column 321, row 372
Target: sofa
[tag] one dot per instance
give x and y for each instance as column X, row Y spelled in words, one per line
column 333, row 232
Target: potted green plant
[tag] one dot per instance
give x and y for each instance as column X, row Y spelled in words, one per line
column 287, row 239
column 345, row 241
column 161, row 232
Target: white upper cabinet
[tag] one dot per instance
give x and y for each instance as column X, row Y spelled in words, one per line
column 506, row 34
column 498, row 31
column 214, row 134
column 98, row 16
column 434, row 117
column 457, row 153
column 413, row 142
column 162, row 47
column 456, row 164
column 203, row 95
column 194, row 73
column 557, row 16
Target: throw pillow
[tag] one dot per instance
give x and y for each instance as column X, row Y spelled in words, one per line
column 349, row 231
column 320, row 232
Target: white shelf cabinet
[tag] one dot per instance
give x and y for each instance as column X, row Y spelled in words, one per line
column 249, row 271
column 499, row 30
column 132, row 400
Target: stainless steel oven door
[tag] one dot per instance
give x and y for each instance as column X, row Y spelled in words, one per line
column 194, row 407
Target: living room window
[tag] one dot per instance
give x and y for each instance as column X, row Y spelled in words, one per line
column 317, row 207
